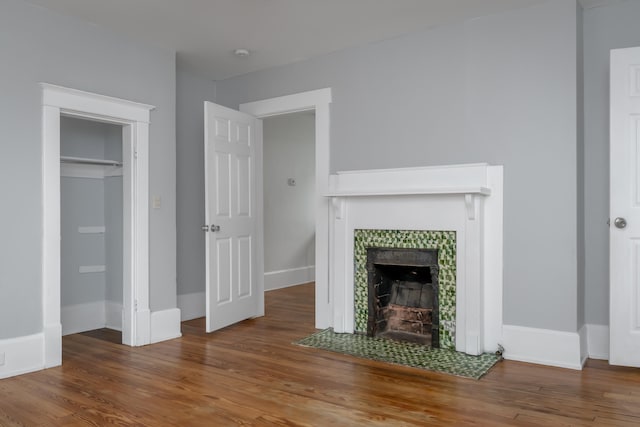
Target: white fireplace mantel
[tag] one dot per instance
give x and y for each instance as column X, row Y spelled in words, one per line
column 483, row 191
column 462, row 198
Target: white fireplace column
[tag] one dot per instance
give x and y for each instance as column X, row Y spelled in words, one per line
column 470, row 319
column 466, row 199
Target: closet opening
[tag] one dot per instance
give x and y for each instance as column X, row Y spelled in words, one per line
column 132, row 119
column 91, row 227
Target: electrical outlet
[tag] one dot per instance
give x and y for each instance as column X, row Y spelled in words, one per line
column 1, row 358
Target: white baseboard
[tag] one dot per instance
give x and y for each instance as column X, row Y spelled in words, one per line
column 542, row 346
column 89, row 316
column 584, row 348
column 52, row 333
column 192, row 306
column 113, row 315
column 21, row 355
column 82, row 317
column 598, row 341
column 165, row 325
column 27, row 354
column 289, row 277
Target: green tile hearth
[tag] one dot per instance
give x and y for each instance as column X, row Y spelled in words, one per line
column 402, row 353
column 444, row 241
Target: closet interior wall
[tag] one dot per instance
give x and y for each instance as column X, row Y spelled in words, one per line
column 91, row 204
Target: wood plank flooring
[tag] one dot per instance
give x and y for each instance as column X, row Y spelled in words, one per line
column 251, row 374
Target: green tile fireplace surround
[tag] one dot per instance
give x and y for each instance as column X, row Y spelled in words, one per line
column 443, row 241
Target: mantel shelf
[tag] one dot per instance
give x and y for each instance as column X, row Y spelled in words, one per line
column 481, row 191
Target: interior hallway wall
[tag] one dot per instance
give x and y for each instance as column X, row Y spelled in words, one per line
column 289, row 210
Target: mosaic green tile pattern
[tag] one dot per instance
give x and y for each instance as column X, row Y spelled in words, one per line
column 444, row 241
column 402, row 353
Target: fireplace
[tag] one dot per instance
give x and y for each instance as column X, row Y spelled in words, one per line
column 454, row 209
column 422, row 263
column 403, row 294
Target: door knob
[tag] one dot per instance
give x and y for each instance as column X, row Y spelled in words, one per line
column 214, row 228
column 620, row 222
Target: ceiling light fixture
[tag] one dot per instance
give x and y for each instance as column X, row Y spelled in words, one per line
column 242, row 53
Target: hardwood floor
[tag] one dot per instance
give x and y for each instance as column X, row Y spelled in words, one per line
column 251, row 374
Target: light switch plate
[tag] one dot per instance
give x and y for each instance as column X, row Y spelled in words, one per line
column 157, row 202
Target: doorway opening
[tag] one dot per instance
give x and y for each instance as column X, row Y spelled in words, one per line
column 234, row 202
column 289, row 190
column 133, row 120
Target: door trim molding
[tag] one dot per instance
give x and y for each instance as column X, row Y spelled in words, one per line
column 134, row 118
column 318, row 100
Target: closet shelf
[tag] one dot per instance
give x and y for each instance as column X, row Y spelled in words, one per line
column 89, row 161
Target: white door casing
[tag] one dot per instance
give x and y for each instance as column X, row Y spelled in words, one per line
column 234, row 289
column 318, row 100
column 624, row 309
column 134, row 119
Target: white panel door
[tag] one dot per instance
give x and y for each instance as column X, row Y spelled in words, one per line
column 625, row 208
column 231, row 215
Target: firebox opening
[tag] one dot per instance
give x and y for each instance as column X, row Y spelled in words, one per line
column 403, row 295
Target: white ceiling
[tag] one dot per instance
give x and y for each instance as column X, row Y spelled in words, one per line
column 204, row 33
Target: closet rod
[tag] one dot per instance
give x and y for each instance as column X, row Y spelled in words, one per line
column 87, row 161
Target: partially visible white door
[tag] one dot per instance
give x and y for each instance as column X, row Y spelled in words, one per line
column 624, row 323
column 232, row 289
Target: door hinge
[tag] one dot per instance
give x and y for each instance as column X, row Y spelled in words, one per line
column 135, row 305
column 135, row 154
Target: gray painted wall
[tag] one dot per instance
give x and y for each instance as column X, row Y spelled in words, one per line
column 605, row 28
column 113, row 238
column 46, row 47
column 113, row 218
column 521, row 112
column 81, row 204
column 289, row 211
column 580, row 168
column 498, row 89
column 192, row 91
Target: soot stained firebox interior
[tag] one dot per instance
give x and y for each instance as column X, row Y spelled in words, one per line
column 403, row 294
